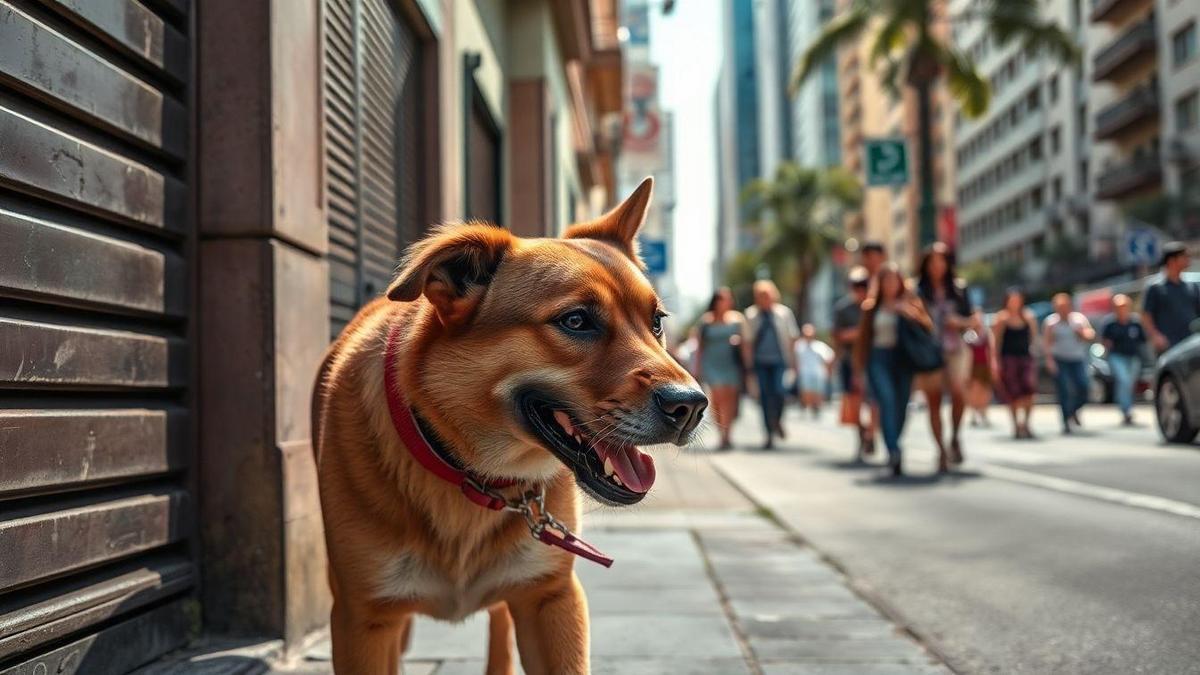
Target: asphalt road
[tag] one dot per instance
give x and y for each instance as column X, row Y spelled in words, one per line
column 1072, row 554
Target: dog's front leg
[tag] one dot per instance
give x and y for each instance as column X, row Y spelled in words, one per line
column 552, row 627
column 365, row 644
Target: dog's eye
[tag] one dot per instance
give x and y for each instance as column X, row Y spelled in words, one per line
column 656, row 324
column 577, row 321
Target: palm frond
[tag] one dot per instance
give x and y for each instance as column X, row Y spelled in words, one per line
column 965, row 82
column 841, row 29
column 1020, row 20
column 889, row 40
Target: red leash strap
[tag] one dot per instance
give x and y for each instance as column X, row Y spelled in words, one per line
column 543, row 526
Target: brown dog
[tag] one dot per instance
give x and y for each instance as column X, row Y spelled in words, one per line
column 455, row 417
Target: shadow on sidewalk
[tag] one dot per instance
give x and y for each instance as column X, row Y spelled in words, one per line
column 918, row 480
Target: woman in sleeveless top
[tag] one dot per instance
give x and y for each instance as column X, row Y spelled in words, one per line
column 720, row 370
column 1014, row 329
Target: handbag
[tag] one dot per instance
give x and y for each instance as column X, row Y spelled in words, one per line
column 918, row 347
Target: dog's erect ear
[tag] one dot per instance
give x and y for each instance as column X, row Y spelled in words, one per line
column 452, row 267
column 619, row 226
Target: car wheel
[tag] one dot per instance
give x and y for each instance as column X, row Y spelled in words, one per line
column 1172, row 413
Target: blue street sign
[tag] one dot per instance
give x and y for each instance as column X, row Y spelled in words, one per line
column 1142, row 246
column 654, row 254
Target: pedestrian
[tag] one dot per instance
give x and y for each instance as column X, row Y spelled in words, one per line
column 719, row 355
column 847, row 314
column 814, row 360
column 877, row 353
column 1171, row 304
column 1013, row 331
column 1067, row 336
column 980, row 386
column 768, row 340
column 872, row 256
column 1124, row 337
column 945, row 298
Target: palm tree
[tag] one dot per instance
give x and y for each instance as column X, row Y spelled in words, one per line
column 902, row 34
column 798, row 212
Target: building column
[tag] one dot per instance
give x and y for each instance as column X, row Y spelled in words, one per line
column 263, row 316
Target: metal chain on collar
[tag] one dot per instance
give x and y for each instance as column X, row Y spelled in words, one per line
column 537, row 519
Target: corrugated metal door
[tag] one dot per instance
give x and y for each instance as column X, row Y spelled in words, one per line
column 372, row 141
column 95, row 366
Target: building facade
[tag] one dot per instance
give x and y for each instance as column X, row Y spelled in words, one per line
column 1144, row 65
column 1023, row 168
column 815, row 123
column 193, row 198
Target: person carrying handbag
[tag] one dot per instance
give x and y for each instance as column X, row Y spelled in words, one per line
column 894, row 342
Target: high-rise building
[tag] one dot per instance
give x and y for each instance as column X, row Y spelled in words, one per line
column 1144, row 63
column 1022, row 168
column 814, row 126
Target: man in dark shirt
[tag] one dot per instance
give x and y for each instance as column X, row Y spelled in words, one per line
column 1123, row 338
column 846, row 316
column 1171, row 304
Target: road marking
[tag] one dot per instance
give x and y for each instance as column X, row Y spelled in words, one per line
column 1135, row 499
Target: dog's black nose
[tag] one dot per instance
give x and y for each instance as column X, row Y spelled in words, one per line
column 683, row 406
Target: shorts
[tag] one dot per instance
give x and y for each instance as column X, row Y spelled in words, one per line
column 812, row 382
column 1018, row 376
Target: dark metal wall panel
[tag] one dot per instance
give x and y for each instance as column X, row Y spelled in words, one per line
column 69, row 266
column 48, row 65
column 59, row 449
column 117, row 649
column 132, row 29
column 96, row 241
column 371, row 137
column 44, row 161
column 47, row 543
column 51, row 613
column 50, row 355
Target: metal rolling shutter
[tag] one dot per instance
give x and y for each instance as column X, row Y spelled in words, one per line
column 371, row 140
column 96, row 245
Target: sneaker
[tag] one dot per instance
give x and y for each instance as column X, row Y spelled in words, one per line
column 1128, row 421
column 1075, row 420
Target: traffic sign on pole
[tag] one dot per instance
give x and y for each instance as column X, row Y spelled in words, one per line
column 886, row 160
column 1142, row 247
column 654, row 254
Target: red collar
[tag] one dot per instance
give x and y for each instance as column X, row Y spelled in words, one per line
column 542, row 525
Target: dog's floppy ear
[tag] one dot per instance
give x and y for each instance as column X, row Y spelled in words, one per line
column 451, row 267
column 619, row 226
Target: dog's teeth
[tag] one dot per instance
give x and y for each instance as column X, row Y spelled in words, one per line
column 579, row 439
column 564, row 421
column 608, row 468
column 617, row 479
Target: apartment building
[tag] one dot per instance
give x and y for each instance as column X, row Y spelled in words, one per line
column 1022, row 168
column 1145, row 70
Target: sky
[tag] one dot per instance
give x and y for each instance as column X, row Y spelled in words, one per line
column 687, row 46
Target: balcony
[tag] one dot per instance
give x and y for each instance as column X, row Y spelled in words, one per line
column 1135, row 45
column 1116, row 11
column 1126, row 178
column 1140, row 105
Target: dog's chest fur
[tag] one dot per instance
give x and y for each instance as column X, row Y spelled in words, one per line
column 407, row 576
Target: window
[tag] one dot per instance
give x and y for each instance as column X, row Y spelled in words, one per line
column 1033, row 100
column 1052, row 88
column 1036, row 198
column 1187, row 112
column 1055, row 140
column 1183, row 44
column 1035, row 149
column 1056, row 188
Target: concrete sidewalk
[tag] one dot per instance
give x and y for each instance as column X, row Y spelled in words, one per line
column 702, row 584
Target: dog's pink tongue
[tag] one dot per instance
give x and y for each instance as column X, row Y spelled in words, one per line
column 635, row 467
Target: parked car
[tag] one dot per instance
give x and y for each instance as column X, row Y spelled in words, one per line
column 1177, row 391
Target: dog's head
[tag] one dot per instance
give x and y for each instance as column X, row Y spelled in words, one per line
column 539, row 353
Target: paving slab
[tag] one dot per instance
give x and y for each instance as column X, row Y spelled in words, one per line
column 854, row 650
column 806, row 668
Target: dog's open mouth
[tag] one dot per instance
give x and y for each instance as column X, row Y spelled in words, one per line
column 610, row 469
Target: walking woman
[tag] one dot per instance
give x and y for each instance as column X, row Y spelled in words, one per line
column 719, row 356
column 877, row 353
column 1013, row 330
column 951, row 313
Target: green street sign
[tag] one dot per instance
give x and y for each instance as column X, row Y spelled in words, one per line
column 887, row 161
